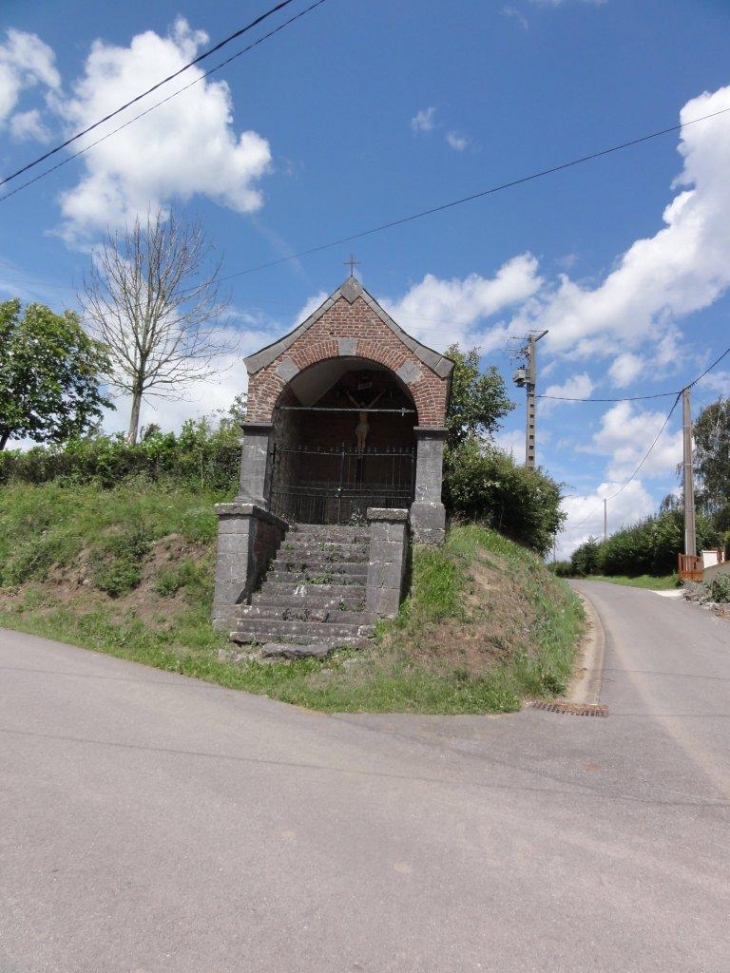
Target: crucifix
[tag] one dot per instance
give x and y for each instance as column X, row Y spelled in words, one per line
column 363, row 426
column 352, row 263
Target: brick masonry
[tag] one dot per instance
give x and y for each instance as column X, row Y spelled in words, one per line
column 358, row 328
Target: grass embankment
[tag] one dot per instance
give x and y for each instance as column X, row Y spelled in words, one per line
column 665, row 583
column 129, row 571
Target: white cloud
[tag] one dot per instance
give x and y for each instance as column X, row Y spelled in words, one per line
column 28, row 125
column 423, row 121
column 576, row 387
column 625, row 436
column 185, row 147
column 585, row 513
column 518, row 16
column 25, row 61
column 512, row 442
column 309, row 307
column 717, row 382
column 625, row 369
column 456, row 141
column 441, row 312
column 683, row 268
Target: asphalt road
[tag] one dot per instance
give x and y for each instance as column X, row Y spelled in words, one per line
column 152, row 823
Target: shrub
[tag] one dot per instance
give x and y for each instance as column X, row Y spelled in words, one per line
column 584, row 560
column 482, row 483
column 719, row 589
column 201, row 454
column 116, row 564
column 196, row 578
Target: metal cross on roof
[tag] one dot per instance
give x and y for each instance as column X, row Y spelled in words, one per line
column 352, row 263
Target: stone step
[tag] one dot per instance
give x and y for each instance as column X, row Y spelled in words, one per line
column 318, row 574
column 348, row 597
column 315, row 562
column 337, row 533
column 275, row 630
column 306, row 613
column 335, row 552
column 288, row 650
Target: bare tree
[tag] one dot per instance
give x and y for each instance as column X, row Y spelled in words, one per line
column 153, row 301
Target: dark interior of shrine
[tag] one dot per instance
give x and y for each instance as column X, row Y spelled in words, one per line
column 343, row 440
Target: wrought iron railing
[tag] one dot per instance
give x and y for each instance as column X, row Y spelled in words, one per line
column 336, row 486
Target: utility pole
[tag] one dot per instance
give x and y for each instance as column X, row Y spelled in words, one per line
column 605, row 519
column 527, row 377
column 690, row 537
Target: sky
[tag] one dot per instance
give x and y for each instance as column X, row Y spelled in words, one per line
column 363, row 112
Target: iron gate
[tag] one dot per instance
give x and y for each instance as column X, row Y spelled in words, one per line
column 337, row 485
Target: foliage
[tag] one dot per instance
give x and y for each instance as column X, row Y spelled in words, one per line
column 478, row 401
column 711, row 434
column 166, row 621
column 116, row 564
column 99, row 535
column 156, row 307
column 649, row 581
column 482, row 483
column 584, row 560
column 200, row 454
column 648, row 547
column 719, row 589
column 50, row 371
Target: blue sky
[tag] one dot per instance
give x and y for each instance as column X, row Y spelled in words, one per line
column 363, row 112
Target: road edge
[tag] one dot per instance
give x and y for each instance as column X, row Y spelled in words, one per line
column 587, row 681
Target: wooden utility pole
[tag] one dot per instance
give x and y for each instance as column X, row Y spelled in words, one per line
column 690, row 537
column 605, row 519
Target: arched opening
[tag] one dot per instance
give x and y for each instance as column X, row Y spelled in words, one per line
column 343, row 440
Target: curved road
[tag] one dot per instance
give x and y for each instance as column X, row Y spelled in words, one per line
column 152, row 823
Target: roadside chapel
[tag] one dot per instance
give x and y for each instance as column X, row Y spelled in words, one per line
column 344, row 414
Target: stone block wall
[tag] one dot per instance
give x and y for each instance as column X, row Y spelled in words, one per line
column 248, row 539
column 387, row 560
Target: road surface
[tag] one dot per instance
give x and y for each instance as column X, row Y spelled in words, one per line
column 152, row 823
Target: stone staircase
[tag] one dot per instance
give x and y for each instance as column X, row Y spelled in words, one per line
column 313, row 597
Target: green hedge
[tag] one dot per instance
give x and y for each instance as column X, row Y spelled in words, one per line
column 199, row 454
column 648, row 547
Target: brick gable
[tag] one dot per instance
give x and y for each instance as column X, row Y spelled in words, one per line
column 351, row 325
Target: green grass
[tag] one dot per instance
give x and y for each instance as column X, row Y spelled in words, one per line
column 665, row 583
column 147, row 558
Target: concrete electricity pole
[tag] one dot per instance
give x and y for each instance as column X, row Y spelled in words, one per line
column 527, row 377
column 690, row 537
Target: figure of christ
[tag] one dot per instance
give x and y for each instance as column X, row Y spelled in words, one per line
column 363, row 426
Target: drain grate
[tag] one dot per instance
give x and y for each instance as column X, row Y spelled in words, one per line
column 572, row 709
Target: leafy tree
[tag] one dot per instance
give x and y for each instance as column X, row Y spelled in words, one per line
column 649, row 546
column 155, row 304
column 711, row 434
column 482, row 482
column 50, row 371
column 584, row 560
column 478, row 401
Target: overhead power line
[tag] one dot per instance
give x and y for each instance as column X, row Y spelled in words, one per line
column 624, row 398
column 633, row 476
column 709, row 368
column 474, row 196
column 642, row 398
column 678, row 396
column 158, row 104
column 133, row 101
